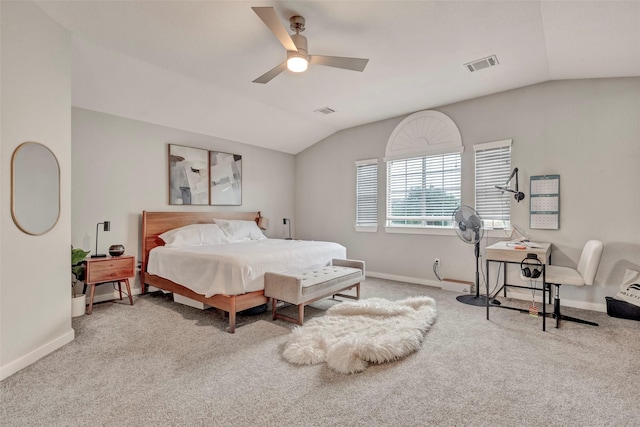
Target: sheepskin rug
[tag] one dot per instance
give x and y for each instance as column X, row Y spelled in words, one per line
column 353, row 334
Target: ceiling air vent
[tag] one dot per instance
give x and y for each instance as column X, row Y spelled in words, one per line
column 324, row 111
column 487, row 62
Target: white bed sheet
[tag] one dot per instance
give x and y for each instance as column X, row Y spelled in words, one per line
column 237, row 268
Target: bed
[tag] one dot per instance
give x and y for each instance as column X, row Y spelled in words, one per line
column 229, row 277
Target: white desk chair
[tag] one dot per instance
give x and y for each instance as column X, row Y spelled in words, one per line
column 584, row 275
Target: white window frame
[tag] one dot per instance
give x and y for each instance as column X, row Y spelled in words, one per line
column 493, row 167
column 451, row 188
column 366, row 195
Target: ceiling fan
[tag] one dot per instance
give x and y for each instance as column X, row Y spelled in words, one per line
column 298, row 56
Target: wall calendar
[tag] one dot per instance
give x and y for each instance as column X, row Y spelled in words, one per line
column 544, row 208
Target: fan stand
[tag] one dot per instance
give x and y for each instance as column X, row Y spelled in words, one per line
column 477, row 299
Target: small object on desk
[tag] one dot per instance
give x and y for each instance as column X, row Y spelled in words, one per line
column 520, row 247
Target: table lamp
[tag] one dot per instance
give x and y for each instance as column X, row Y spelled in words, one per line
column 106, row 227
column 286, row 221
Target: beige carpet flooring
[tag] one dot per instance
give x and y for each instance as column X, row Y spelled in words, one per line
column 159, row 363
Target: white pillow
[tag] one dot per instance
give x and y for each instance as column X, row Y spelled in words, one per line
column 240, row 230
column 194, row 235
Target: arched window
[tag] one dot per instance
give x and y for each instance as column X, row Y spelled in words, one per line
column 423, row 159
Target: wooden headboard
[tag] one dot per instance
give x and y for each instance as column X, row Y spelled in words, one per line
column 156, row 223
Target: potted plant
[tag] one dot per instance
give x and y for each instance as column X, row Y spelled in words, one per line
column 78, row 302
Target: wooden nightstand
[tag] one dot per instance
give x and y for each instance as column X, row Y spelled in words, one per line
column 109, row 269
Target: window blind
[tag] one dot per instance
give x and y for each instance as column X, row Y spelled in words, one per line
column 367, row 193
column 493, row 167
column 423, row 191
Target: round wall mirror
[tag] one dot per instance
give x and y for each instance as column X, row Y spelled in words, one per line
column 35, row 188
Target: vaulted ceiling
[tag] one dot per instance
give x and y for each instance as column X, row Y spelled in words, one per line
column 190, row 65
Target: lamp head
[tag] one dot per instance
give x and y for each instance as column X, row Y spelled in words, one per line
column 107, row 226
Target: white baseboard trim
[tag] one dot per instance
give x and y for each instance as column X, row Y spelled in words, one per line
column 26, row 360
column 522, row 295
column 407, row 279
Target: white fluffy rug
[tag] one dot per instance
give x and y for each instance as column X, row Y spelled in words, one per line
column 351, row 334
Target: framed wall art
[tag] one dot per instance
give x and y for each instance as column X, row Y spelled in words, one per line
column 188, row 175
column 226, row 178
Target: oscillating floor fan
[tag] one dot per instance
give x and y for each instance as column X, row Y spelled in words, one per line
column 468, row 226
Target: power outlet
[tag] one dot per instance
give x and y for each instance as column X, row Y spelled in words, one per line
column 436, row 261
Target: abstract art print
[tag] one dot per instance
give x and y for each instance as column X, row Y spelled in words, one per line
column 226, row 178
column 188, row 175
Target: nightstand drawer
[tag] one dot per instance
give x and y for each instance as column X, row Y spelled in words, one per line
column 111, row 263
column 109, row 275
column 110, row 269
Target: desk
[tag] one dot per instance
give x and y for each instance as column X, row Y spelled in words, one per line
column 506, row 253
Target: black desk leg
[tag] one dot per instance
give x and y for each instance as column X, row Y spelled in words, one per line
column 504, row 279
column 544, row 299
column 487, row 283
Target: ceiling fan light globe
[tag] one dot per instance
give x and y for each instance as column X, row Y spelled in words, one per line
column 297, row 64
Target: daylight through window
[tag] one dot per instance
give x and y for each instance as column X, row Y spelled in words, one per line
column 367, row 195
column 493, row 167
column 423, row 191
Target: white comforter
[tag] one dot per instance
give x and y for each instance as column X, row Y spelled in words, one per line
column 237, row 268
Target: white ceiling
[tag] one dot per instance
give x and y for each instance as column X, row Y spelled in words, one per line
column 190, row 65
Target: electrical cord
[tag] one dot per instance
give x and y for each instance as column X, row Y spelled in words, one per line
column 119, row 290
column 484, row 277
column 435, row 271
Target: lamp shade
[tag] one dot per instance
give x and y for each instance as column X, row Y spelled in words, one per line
column 297, row 64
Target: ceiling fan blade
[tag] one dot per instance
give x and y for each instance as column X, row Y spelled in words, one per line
column 271, row 20
column 266, row 77
column 355, row 64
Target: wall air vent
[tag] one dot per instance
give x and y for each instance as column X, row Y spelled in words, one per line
column 480, row 64
column 324, row 111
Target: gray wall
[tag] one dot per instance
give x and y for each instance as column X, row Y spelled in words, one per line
column 588, row 131
column 120, row 169
column 35, row 280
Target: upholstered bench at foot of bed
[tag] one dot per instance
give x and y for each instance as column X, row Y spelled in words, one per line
column 305, row 287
